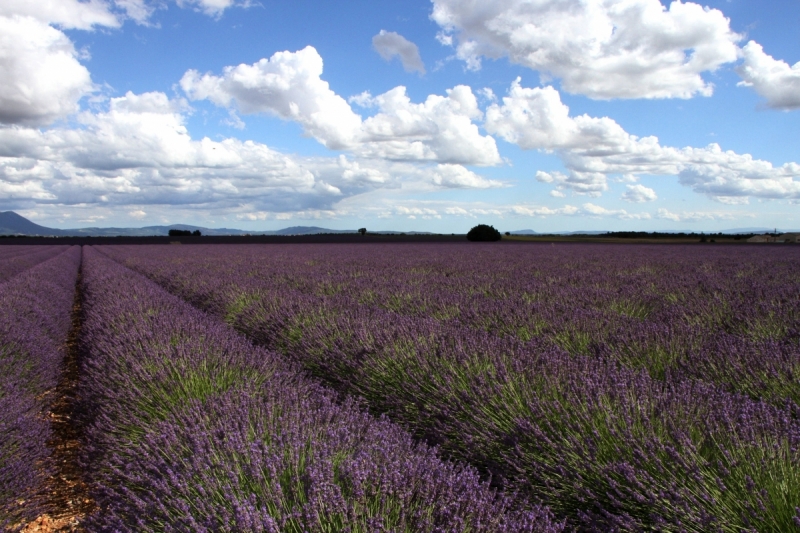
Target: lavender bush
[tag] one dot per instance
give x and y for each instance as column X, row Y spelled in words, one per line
column 35, row 317
column 606, row 384
column 17, row 259
column 663, row 309
column 194, row 429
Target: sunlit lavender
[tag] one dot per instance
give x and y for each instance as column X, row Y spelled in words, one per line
column 36, row 300
column 626, row 387
column 408, row 387
column 195, row 429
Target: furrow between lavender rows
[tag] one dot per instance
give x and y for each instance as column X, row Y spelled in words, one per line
column 604, row 445
column 192, row 428
column 35, row 318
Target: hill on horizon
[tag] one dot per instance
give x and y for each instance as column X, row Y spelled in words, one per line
column 12, row 223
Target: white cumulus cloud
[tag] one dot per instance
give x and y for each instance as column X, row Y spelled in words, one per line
column 638, row 193
column 457, row 211
column 599, row 48
column 773, row 79
column 68, row 14
column 592, row 149
column 213, row 8
column 439, row 129
column 414, row 212
column 589, row 183
column 289, row 85
column 138, row 152
column 459, row 177
column 599, row 211
column 695, row 216
column 541, row 211
column 720, row 173
column 383, row 206
column 390, row 45
column 354, row 172
column 41, row 78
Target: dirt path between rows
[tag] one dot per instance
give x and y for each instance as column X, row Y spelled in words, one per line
column 66, row 493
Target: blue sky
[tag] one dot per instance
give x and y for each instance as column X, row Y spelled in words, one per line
column 553, row 115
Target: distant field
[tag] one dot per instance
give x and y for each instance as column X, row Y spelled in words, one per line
column 352, row 238
column 618, row 240
column 631, row 386
column 566, row 387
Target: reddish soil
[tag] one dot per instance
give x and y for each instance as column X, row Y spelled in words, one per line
column 66, row 494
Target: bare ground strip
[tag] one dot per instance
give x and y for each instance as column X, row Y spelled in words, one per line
column 66, row 493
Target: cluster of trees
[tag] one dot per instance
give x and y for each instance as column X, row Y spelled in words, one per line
column 662, row 235
column 184, row 233
column 480, row 233
column 483, row 233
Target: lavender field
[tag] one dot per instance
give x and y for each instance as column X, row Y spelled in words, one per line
column 417, row 387
column 36, row 299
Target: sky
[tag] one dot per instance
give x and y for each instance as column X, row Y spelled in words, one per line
column 414, row 115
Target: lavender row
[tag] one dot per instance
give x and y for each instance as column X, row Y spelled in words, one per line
column 7, row 252
column 35, row 317
column 706, row 286
column 728, row 316
column 605, row 445
column 194, row 429
column 696, row 291
column 16, row 259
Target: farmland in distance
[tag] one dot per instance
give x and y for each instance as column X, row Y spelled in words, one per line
column 442, row 387
column 635, row 386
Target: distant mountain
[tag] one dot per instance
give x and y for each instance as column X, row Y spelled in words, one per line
column 733, row 231
column 14, row 224
column 148, row 231
column 531, row 232
column 304, row 230
column 758, row 231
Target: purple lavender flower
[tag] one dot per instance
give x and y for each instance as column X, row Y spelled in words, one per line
column 195, row 429
column 35, row 317
column 627, row 387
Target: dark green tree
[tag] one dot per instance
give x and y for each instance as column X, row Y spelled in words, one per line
column 484, row 233
column 184, row 233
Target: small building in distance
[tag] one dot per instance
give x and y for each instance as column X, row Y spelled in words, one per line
column 769, row 237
